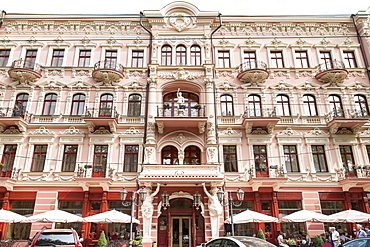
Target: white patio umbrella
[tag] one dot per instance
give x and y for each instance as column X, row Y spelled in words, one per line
column 112, row 216
column 249, row 216
column 306, row 216
column 52, row 216
column 350, row 216
column 10, row 217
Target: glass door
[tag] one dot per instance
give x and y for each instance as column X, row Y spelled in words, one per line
column 181, row 232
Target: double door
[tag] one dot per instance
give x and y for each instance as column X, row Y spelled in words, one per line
column 181, row 231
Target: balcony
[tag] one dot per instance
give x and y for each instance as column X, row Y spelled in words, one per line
column 331, row 72
column 14, row 117
column 253, row 72
column 171, row 116
column 23, row 72
column 340, row 122
column 356, row 176
column 188, row 174
column 108, row 72
column 273, row 176
column 257, row 121
column 102, row 117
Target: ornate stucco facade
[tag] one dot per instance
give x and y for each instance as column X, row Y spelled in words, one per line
column 178, row 98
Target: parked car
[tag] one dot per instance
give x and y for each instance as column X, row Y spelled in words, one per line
column 53, row 237
column 358, row 242
column 238, row 241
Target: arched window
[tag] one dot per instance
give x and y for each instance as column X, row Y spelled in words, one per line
column 190, row 100
column 282, row 105
column 78, row 104
column 335, row 104
column 362, row 109
column 227, row 107
column 49, row 104
column 254, row 106
column 166, row 55
column 192, row 156
column 309, row 105
column 195, row 55
column 20, row 106
column 106, row 105
column 180, row 55
column 169, row 156
column 134, row 105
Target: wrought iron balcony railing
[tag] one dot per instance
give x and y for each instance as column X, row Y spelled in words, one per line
column 252, row 65
column 260, row 113
column 108, row 64
column 330, row 65
column 104, row 112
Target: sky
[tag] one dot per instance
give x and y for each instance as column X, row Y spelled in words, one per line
column 225, row 7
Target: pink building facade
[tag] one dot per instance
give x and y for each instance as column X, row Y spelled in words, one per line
column 180, row 98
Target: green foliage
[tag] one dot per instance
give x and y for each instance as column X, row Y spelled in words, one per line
column 102, row 240
column 139, row 239
column 318, row 240
column 261, row 234
column 289, row 241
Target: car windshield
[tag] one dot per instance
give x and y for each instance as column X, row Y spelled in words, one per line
column 55, row 238
column 255, row 242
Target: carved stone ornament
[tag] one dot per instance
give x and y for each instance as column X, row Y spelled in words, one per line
column 42, row 131
column 344, row 131
column 230, row 132
column 12, row 130
column 180, row 74
column 289, row 132
column 180, row 138
column 71, row 131
column 102, row 131
column 259, row 131
column 132, row 131
column 316, row 132
column 180, row 21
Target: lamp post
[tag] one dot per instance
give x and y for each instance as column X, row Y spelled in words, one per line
column 230, row 202
column 133, row 202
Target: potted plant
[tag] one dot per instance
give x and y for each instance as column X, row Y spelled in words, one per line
column 102, row 240
column 356, row 167
column 181, row 106
column 138, row 240
column 197, row 106
column 291, row 242
column 261, row 235
column 166, row 105
column 88, row 166
column 318, row 241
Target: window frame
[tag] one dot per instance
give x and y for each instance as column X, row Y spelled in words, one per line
column 4, row 57
column 289, row 155
column 50, row 104
column 106, row 105
column 181, row 55
column 131, row 160
column 255, row 106
column 258, row 156
column 166, row 55
column 223, row 61
column 360, row 105
column 174, row 160
column 227, row 104
column 30, row 59
column 39, row 158
column 20, row 104
column 134, row 105
column 320, row 155
column 69, row 158
column 80, row 105
column 299, row 60
column 137, row 58
column 309, row 106
column 230, row 158
column 111, row 59
column 195, row 55
column 349, row 62
column 277, row 62
column 83, row 59
column 283, row 105
column 57, row 58
column 335, row 101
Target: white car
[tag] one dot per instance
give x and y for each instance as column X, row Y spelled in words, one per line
column 238, row 241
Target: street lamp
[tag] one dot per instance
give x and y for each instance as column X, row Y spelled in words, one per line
column 231, row 203
column 133, row 202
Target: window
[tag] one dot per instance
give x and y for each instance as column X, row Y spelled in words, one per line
column 78, row 104
column 8, row 160
column 319, row 158
column 291, row 158
column 254, row 106
column 137, row 59
column 29, row 61
column 282, row 105
column 180, row 55
column 346, row 155
column 110, row 60
column 260, row 158
column 335, row 105
column 57, row 59
column 285, row 208
column 84, row 58
column 39, row 158
column 169, row 156
column 192, row 156
column 249, row 59
column 20, row 106
column 230, row 160
column 224, row 59
column 227, row 108
column 100, row 156
column 349, row 59
column 309, row 105
column 49, row 104
column 362, row 109
column 331, row 207
column 134, row 105
column 4, row 57
column 301, row 59
column 131, row 158
column 277, row 59
column 166, row 55
column 69, row 158
column 325, row 60
column 73, row 207
column 106, row 105
column 23, row 207
column 195, row 55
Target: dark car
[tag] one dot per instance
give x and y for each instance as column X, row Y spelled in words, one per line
column 56, row 237
column 237, row 241
column 359, row 242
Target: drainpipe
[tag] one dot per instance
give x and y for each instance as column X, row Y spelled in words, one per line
column 214, row 76
column 361, row 45
column 147, row 85
column 3, row 13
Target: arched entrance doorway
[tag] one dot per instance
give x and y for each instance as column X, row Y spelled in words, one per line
column 180, row 225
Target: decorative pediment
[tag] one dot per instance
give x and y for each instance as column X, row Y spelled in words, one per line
column 132, row 131
column 111, row 43
column 59, row 43
column 276, row 44
column 282, row 85
column 51, row 84
column 349, row 44
column 138, row 44
column 325, row 44
column 250, row 44
column 180, row 74
column 11, row 130
column 71, row 131
column 85, row 43
column 101, row 131
column 180, row 21
column 32, row 43
column 307, row 85
column 6, row 43
column 344, row 131
column 365, row 133
column 80, row 84
column 358, row 86
column 316, row 132
column 301, row 44
column 259, row 131
column 227, row 86
column 134, row 85
column 289, row 132
column 224, row 44
column 42, row 131
column 229, row 132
